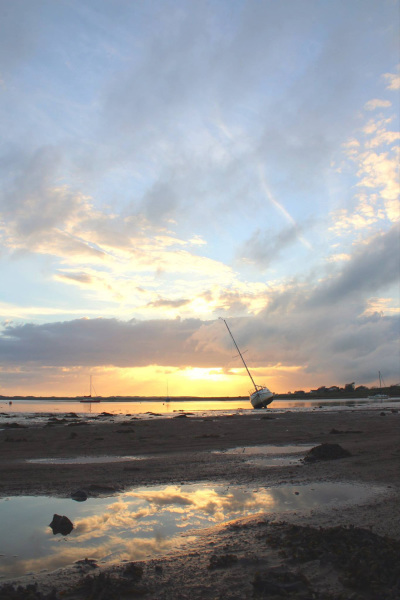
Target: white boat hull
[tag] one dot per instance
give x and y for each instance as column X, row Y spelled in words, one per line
column 261, row 398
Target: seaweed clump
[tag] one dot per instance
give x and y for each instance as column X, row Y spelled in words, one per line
column 29, row 592
column 366, row 561
column 107, row 586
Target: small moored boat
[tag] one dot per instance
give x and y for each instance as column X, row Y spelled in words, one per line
column 379, row 396
column 90, row 398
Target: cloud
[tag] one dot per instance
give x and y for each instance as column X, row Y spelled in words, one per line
column 373, row 266
column 324, row 327
column 264, row 247
column 161, row 159
column 393, row 81
column 376, row 103
column 33, row 201
column 81, row 278
column 164, row 303
column 375, row 155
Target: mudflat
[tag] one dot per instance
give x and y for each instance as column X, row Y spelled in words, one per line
column 250, row 558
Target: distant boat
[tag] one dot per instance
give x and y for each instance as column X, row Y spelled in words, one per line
column 261, row 396
column 90, row 398
column 379, row 396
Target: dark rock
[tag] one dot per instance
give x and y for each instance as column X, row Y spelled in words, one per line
column 326, row 452
column 383, row 414
column 180, row 417
column 79, row 496
column 61, row 524
column 14, row 426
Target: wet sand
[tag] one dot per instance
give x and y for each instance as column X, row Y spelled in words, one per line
column 225, row 561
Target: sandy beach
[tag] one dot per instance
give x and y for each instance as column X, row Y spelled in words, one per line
column 265, row 556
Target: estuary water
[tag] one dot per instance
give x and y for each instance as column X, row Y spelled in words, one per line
column 35, row 409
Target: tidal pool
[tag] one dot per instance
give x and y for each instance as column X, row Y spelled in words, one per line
column 83, row 460
column 269, row 455
column 144, row 522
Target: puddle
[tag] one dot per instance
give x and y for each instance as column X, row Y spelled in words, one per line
column 144, row 522
column 271, row 456
column 265, row 455
column 83, row 460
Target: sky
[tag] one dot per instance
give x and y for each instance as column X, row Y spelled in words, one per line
column 164, row 164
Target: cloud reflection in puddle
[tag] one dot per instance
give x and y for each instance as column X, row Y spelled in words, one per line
column 143, row 522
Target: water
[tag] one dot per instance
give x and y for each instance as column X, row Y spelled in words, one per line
column 270, row 455
column 266, row 455
column 145, row 522
column 36, row 410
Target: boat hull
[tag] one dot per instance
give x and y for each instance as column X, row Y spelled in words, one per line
column 90, row 400
column 261, row 398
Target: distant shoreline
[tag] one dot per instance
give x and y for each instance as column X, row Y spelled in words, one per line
column 392, row 392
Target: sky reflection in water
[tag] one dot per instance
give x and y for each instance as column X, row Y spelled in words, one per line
column 143, row 522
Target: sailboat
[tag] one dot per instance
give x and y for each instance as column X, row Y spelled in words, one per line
column 379, row 396
column 261, row 396
column 89, row 398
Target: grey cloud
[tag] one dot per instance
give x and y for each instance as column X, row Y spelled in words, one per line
column 373, row 267
column 160, row 201
column 79, row 277
column 34, row 200
column 338, row 343
column 82, row 342
column 163, row 303
column 263, row 247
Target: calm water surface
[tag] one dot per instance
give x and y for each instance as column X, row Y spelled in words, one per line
column 146, row 409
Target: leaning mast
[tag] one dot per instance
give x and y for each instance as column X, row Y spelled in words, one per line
column 240, row 354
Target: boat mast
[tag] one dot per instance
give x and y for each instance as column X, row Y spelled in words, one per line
column 90, row 392
column 240, row 354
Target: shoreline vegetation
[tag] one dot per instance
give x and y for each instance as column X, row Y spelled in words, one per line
column 333, row 392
